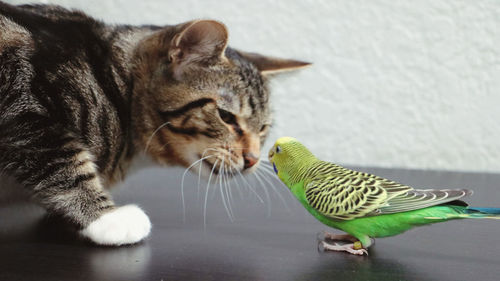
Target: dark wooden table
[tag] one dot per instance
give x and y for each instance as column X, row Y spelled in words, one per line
column 257, row 245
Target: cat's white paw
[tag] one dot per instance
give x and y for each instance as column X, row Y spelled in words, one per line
column 124, row 225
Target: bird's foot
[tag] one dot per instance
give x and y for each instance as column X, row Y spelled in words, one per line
column 336, row 237
column 354, row 248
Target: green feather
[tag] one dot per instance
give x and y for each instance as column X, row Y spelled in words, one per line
column 361, row 204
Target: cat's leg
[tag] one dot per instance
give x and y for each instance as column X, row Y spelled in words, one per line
column 63, row 178
column 113, row 225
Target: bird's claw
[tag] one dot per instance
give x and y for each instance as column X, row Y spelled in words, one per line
column 325, row 235
column 343, row 248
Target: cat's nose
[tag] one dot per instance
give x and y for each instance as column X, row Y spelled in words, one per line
column 249, row 160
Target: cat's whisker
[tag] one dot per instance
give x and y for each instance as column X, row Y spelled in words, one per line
column 250, row 188
column 239, row 188
column 213, row 193
column 199, row 170
column 206, row 195
column 223, row 191
column 171, row 142
column 268, row 169
column 163, row 146
column 228, row 189
column 198, row 188
column 265, row 161
column 248, row 184
column 220, row 176
column 236, row 179
column 225, row 177
column 265, row 191
column 152, row 135
column 182, row 184
column 58, row 160
column 273, row 187
column 221, row 154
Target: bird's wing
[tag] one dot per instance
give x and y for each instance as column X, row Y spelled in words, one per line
column 421, row 198
column 344, row 194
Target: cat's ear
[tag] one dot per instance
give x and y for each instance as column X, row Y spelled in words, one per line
column 271, row 65
column 201, row 41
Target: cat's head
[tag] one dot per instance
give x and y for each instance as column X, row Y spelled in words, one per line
column 195, row 98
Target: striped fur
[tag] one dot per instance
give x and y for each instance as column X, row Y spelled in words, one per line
column 345, row 194
column 79, row 100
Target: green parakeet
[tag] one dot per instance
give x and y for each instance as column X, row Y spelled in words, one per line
column 363, row 205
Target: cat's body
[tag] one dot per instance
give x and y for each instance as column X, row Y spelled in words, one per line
column 79, row 100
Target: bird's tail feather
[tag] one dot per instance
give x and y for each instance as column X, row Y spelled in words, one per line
column 491, row 211
column 480, row 212
column 469, row 213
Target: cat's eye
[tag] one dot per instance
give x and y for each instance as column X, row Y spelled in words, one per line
column 263, row 128
column 278, row 149
column 230, row 119
column 227, row 117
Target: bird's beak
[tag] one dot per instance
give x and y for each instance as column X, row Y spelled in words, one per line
column 271, row 154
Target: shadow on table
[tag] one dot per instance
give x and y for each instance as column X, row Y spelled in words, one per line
column 343, row 266
column 42, row 246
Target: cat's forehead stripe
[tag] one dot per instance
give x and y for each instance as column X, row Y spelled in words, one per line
column 228, row 99
column 245, row 110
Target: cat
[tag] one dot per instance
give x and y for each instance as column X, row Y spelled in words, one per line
column 80, row 100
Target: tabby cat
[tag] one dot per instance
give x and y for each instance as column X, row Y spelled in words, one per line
column 79, row 100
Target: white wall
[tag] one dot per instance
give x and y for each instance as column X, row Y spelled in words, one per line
column 395, row 83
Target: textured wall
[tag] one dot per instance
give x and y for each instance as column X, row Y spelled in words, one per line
column 395, row 83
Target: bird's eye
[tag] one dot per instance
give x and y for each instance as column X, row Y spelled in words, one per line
column 278, row 149
column 227, row 117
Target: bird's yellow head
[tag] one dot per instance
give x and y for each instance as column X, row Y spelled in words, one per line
column 289, row 159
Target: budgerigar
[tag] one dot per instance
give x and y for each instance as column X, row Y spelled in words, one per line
column 363, row 205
